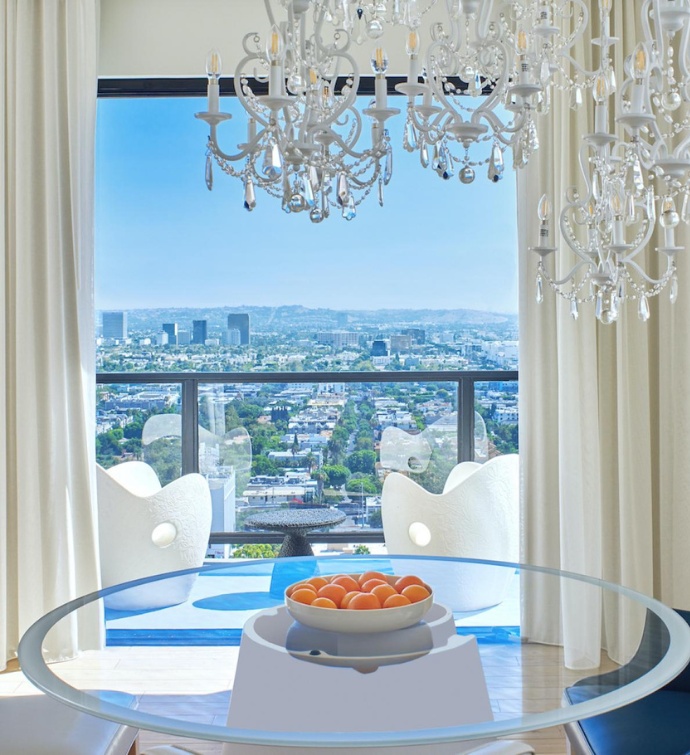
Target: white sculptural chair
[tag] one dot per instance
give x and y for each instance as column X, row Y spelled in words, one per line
column 146, row 529
column 476, row 516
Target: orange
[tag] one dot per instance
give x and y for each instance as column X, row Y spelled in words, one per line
column 317, row 582
column 370, row 584
column 364, row 601
column 382, row 592
column 299, row 586
column 346, row 581
column 415, row 593
column 345, row 602
column 371, row 575
column 410, row 579
column 395, row 600
column 324, row 603
column 336, row 593
column 305, row 596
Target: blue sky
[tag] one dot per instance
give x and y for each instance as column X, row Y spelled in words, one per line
column 164, row 240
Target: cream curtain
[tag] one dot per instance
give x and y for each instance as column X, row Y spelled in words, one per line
column 48, row 534
column 605, row 421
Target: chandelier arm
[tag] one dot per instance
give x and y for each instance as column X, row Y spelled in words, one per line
column 683, row 60
column 569, row 277
column 239, row 90
column 584, row 10
column 269, row 13
column 433, row 126
column 649, row 279
column 365, row 155
column 628, row 259
column 499, row 128
column 245, row 150
column 648, row 32
column 484, row 19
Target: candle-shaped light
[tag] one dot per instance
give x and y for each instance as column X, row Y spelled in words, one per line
column 275, row 50
column 213, row 71
column 379, row 65
column 545, row 14
column 521, row 46
column 640, row 71
column 669, row 219
column 412, row 50
column 544, row 214
column 601, row 92
column 605, row 12
column 616, row 204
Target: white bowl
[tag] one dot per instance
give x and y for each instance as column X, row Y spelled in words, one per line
column 360, row 621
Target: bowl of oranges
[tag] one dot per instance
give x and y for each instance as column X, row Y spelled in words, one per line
column 367, row 602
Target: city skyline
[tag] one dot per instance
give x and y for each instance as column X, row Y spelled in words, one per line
column 164, row 241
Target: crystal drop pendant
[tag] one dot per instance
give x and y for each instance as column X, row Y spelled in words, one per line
column 349, row 209
column 673, row 294
column 540, row 291
column 650, row 205
column 545, row 72
column 388, row 165
column 643, row 309
column 599, row 306
column 343, row 190
column 496, row 165
column 574, row 313
column 249, row 196
column 532, row 137
column 613, row 307
column 380, row 192
column 307, row 192
column 685, row 211
column 410, row 137
column 620, row 290
column 629, row 209
column 209, row 172
column 576, row 98
column 476, row 85
column 314, row 179
column 436, row 159
column 424, row 155
column 637, row 177
column 611, row 79
column 316, row 216
column 272, row 167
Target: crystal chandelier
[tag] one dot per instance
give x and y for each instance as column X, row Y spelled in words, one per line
column 510, row 52
column 304, row 136
column 486, row 71
column 634, row 179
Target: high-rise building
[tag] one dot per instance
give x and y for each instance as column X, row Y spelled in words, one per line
column 379, row 348
column 115, row 325
column 401, row 343
column 240, row 322
column 184, row 337
column 171, row 329
column 418, row 334
column 199, row 331
column 338, row 339
column 231, row 337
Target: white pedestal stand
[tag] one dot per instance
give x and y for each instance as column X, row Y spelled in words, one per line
column 422, row 677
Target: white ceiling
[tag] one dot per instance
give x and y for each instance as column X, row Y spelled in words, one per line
column 167, row 38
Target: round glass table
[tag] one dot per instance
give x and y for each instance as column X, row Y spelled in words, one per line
column 467, row 671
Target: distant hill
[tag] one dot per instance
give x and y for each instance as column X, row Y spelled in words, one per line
column 295, row 317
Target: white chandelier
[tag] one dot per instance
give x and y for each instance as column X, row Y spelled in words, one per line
column 485, row 73
column 633, row 179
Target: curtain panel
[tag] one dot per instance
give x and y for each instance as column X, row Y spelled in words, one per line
column 48, row 532
column 605, row 421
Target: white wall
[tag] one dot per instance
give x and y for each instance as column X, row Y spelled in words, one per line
column 167, row 38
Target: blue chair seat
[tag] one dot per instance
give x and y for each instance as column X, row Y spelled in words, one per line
column 656, row 725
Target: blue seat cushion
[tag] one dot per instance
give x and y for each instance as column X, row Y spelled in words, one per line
column 656, row 725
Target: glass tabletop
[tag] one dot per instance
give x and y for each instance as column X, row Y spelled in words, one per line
column 503, row 649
